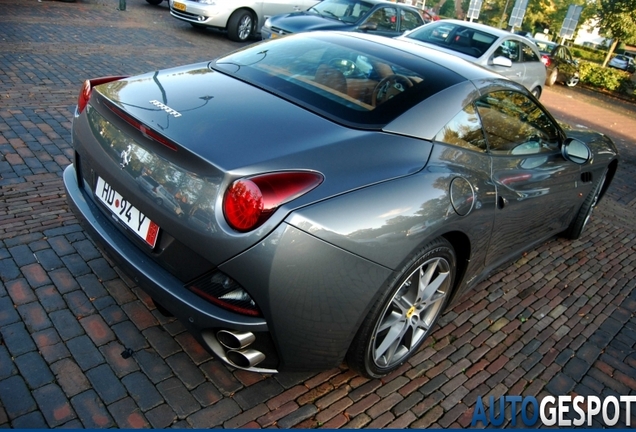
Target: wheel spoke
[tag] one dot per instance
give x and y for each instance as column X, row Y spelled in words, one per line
column 389, row 321
column 427, row 287
column 391, row 340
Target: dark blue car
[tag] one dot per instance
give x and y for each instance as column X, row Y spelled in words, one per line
column 371, row 16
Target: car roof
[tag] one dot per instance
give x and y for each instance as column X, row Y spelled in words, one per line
column 429, row 71
column 477, row 26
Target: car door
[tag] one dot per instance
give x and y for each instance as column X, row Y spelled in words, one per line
column 534, row 183
column 382, row 21
column 568, row 67
column 511, row 49
column 409, row 20
column 534, row 69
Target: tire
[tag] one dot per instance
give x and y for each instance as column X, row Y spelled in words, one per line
column 536, row 92
column 154, row 2
column 573, row 80
column 579, row 222
column 403, row 317
column 240, row 26
column 552, row 78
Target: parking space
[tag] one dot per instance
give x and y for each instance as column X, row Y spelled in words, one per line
column 82, row 346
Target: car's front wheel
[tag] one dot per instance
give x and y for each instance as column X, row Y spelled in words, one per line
column 404, row 316
column 154, row 2
column 240, row 26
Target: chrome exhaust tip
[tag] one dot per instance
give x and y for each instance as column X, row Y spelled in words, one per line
column 235, row 340
column 246, row 358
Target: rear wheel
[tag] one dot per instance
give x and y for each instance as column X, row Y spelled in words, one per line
column 404, row 316
column 536, row 92
column 573, row 80
column 552, row 78
column 240, row 26
column 577, row 226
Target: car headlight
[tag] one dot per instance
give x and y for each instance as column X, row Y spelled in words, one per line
column 268, row 24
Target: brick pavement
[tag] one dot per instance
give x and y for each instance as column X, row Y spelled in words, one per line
column 559, row 320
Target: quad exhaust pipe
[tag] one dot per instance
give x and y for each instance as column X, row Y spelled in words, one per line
column 235, row 340
column 246, row 358
column 238, row 354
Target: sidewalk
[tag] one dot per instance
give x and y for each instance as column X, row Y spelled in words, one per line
column 81, row 346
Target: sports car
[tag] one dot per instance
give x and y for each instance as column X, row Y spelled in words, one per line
column 336, row 192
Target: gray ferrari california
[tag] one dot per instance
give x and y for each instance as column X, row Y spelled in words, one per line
column 323, row 197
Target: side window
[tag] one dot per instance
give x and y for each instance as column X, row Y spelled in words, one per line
column 510, row 49
column 529, row 54
column 514, row 124
column 409, row 20
column 464, row 130
column 385, row 18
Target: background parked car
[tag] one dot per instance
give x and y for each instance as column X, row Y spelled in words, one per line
column 370, row 16
column 241, row 18
column 623, row 62
column 561, row 65
column 508, row 54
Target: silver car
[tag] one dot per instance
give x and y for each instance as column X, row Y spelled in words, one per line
column 241, row 18
column 508, row 54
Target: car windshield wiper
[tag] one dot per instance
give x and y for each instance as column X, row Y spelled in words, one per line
column 317, row 11
column 332, row 14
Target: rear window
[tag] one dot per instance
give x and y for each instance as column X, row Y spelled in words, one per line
column 455, row 37
column 345, row 78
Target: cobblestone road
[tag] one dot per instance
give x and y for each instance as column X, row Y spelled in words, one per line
column 560, row 320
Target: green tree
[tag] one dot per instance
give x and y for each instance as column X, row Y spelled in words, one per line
column 617, row 19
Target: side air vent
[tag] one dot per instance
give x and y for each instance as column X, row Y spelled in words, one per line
column 586, row 177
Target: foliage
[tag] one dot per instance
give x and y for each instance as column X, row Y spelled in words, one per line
column 589, row 54
column 617, row 19
column 448, row 9
column 605, row 78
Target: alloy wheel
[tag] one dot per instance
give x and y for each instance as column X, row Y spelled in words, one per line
column 411, row 313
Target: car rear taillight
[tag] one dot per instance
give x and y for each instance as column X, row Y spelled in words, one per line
column 546, row 60
column 87, row 88
column 249, row 202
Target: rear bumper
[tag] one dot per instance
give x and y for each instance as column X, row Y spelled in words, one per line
column 201, row 318
column 313, row 295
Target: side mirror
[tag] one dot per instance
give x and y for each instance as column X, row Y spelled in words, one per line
column 368, row 26
column 576, row 151
column 502, row 61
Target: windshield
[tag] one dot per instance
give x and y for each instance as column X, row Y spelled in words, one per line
column 454, row 37
column 345, row 78
column 348, row 11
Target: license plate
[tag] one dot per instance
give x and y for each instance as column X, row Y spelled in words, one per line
column 179, row 6
column 146, row 229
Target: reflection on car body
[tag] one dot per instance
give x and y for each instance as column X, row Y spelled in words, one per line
column 339, row 225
